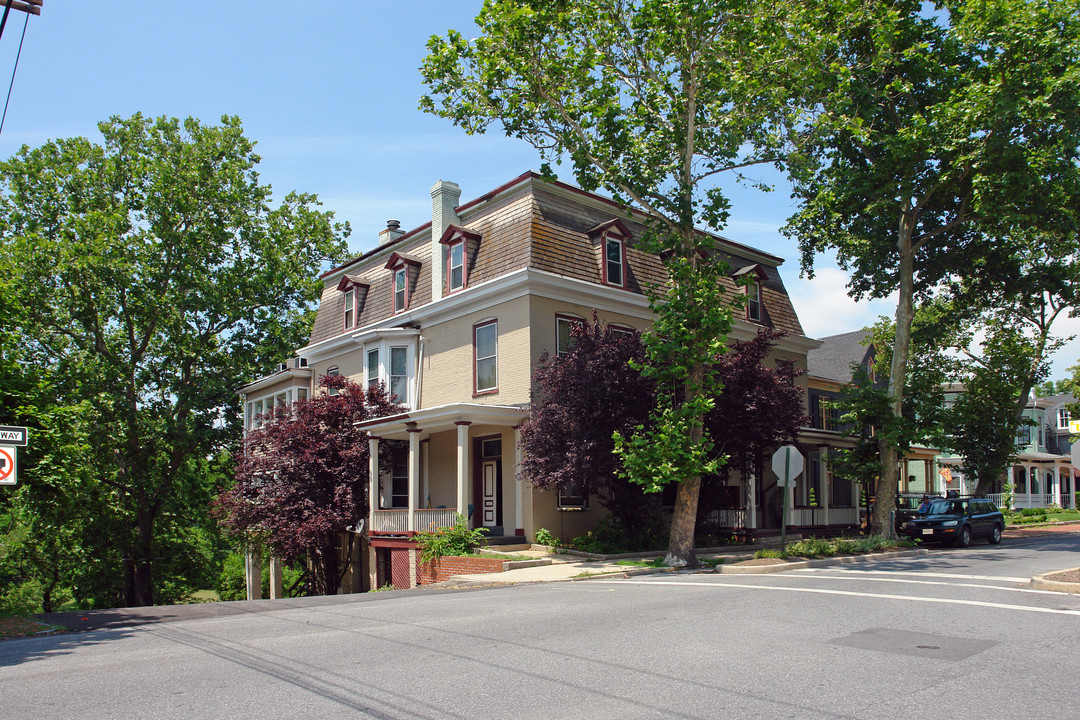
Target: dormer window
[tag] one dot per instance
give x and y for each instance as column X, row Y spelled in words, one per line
column 609, row 240
column 460, row 245
column 350, row 309
column 614, row 258
column 405, row 271
column 353, row 295
column 401, row 289
column 751, row 277
column 455, row 269
column 753, row 301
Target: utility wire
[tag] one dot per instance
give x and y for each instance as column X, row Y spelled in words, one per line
column 13, row 71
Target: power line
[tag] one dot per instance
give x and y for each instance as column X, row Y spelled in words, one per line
column 30, row 7
column 14, row 70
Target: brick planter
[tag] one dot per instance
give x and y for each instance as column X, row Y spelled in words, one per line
column 443, row 568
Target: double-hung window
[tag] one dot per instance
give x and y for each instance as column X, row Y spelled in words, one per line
column 401, row 289
column 485, row 355
column 372, row 368
column 350, row 309
column 753, row 301
column 614, row 258
column 333, row 372
column 399, row 374
column 1063, row 418
column 455, row 267
column 565, row 329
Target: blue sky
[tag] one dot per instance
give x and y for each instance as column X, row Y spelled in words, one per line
column 329, row 91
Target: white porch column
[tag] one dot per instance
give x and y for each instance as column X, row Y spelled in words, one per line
column 425, row 477
column 373, row 480
column 463, row 468
column 276, row 584
column 414, row 475
column 253, row 575
column 519, row 510
column 751, row 507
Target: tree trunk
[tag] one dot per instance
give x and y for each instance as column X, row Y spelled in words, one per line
column 683, row 524
column 142, row 578
column 889, row 480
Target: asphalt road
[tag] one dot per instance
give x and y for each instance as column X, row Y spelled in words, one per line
column 954, row 634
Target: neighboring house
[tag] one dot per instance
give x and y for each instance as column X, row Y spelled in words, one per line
column 452, row 317
column 1040, row 472
column 830, row 371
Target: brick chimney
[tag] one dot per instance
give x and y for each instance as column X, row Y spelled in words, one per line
column 392, row 232
column 445, row 197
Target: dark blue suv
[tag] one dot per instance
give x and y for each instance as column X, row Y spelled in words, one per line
column 957, row 521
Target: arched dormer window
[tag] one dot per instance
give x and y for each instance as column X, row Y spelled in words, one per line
column 610, row 239
column 405, row 269
column 460, row 247
column 354, row 293
column 751, row 277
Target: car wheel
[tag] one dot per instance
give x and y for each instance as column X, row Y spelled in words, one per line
column 965, row 537
column 995, row 536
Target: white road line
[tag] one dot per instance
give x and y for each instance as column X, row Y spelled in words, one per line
column 935, row 582
column 849, row 593
column 956, row 576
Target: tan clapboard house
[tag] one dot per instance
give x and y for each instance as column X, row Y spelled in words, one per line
column 452, row 317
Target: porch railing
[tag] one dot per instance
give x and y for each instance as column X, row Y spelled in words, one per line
column 810, row 516
column 727, row 517
column 1026, row 500
column 397, row 520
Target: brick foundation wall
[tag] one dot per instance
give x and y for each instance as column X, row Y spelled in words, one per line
column 443, row 568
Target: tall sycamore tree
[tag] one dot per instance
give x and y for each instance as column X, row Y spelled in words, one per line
column 653, row 101
column 937, row 131
column 156, row 263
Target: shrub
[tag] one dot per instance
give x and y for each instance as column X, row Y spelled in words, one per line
column 811, row 547
column 1028, row 512
column 456, row 540
column 769, row 553
column 610, row 537
column 544, row 537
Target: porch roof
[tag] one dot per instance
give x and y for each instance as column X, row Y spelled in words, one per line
column 442, row 418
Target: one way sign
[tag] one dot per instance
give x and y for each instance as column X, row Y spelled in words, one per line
column 7, row 465
column 12, row 435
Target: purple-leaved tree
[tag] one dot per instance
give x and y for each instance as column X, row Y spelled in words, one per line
column 584, row 396
column 302, row 479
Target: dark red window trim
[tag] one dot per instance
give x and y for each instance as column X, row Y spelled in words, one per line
column 487, row 391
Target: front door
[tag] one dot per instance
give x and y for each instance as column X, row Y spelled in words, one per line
column 489, row 502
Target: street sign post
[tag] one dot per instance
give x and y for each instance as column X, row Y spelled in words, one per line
column 787, row 463
column 7, row 465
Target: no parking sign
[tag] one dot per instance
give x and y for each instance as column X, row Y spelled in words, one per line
column 7, row 465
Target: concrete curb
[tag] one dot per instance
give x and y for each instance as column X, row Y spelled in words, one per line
column 1042, row 582
column 816, row 562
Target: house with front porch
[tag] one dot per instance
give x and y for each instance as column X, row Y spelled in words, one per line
column 1040, row 473
column 820, row 497
column 452, row 317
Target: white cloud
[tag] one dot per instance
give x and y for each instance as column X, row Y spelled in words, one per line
column 824, row 307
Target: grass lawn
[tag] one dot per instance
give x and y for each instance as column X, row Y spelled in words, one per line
column 1063, row 516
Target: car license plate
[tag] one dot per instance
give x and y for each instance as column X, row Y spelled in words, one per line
column 927, row 531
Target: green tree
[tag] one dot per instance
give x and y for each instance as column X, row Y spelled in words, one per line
column 936, row 134
column 652, row 100
column 155, row 266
